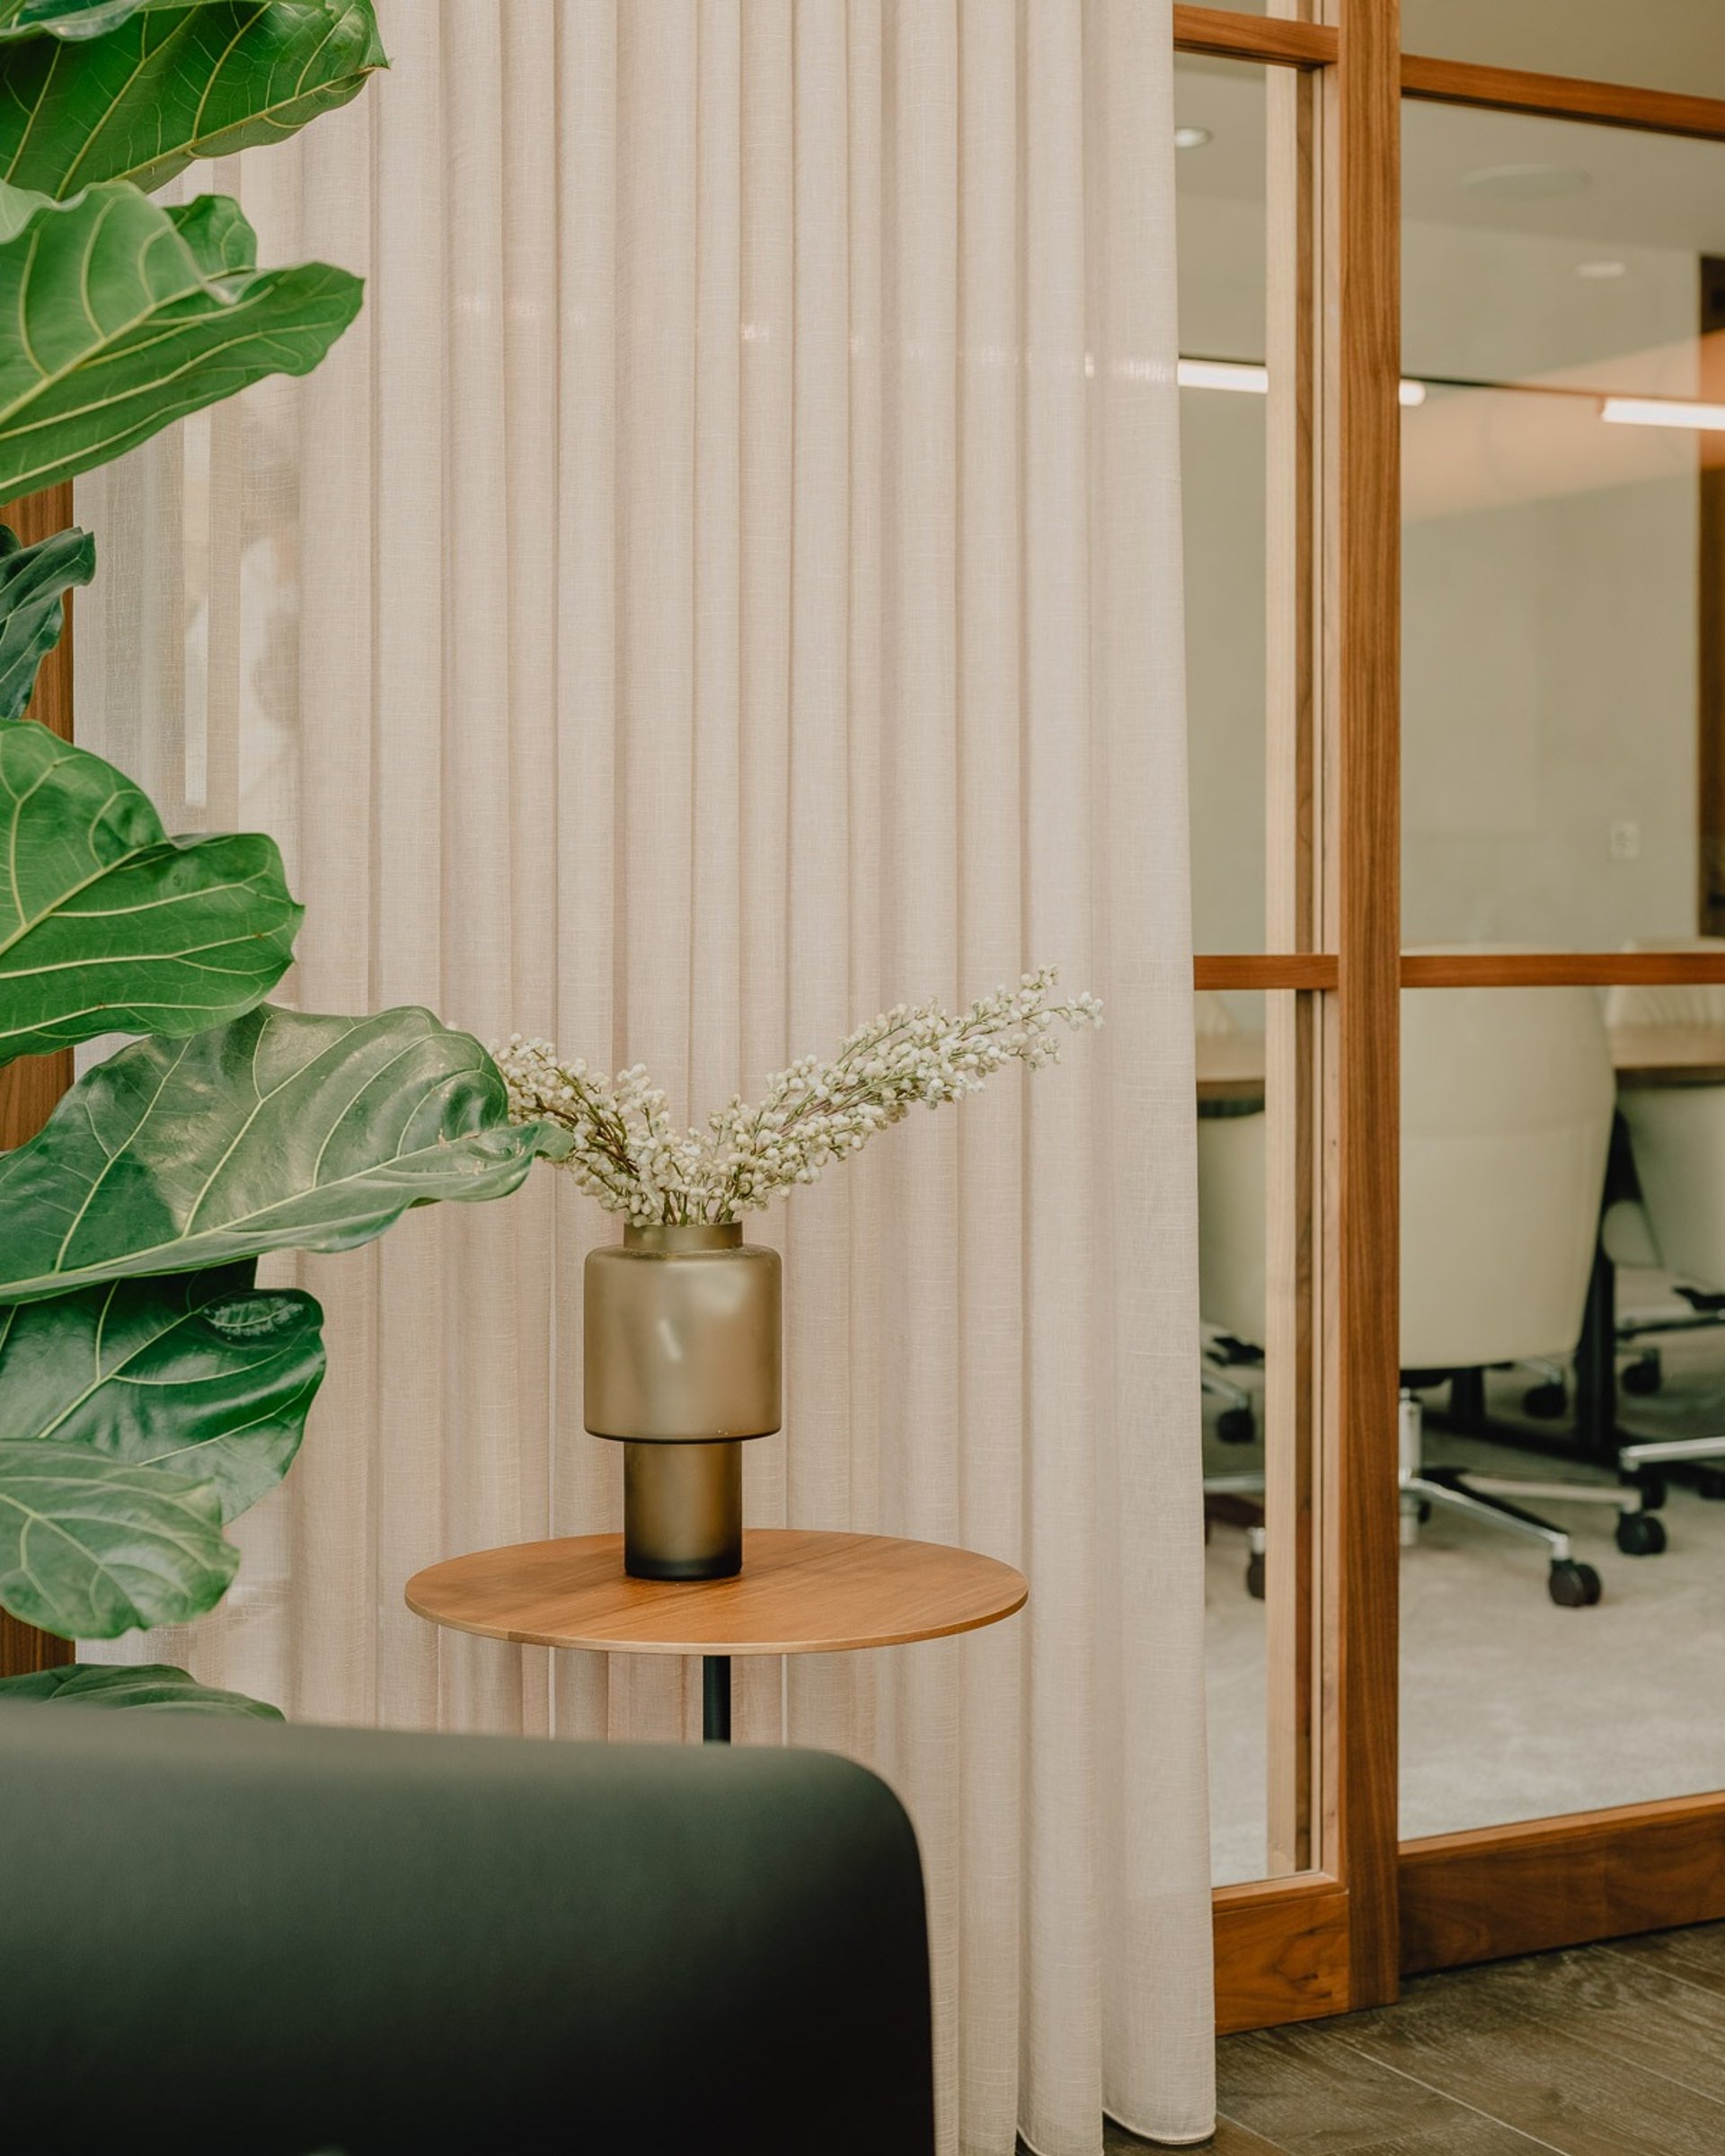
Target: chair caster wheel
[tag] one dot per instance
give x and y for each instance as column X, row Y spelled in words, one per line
column 1711, row 1483
column 1255, row 1578
column 1645, row 1374
column 1640, row 1534
column 1236, row 1426
column 1652, row 1484
column 1546, row 1403
column 1424, row 1512
column 1573, row 1586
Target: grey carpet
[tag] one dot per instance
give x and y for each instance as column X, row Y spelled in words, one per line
column 1511, row 1707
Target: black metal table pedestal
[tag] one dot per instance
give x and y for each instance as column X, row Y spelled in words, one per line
column 715, row 1698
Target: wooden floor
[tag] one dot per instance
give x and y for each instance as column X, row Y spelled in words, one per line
column 1615, row 2050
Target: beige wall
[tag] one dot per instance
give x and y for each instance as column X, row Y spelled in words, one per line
column 1550, row 594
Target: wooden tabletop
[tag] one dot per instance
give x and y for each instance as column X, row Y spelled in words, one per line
column 1231, row 1065
column 798, row 1593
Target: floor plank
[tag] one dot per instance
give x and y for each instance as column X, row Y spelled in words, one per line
column 1697, row 1956
column 1311, row 2095
column 1547, row 2047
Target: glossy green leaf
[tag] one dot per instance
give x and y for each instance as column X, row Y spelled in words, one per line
column 122, row 316
column 107, row 925
column 73, row 18
column 282, row 1131
column 137, row 95
column 92, row 1547
column 152, row 1687
column 33, row 583
column 199, row 1372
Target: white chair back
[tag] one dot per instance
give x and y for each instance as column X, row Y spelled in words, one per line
column 1507, row 1102
column 1678, row 1133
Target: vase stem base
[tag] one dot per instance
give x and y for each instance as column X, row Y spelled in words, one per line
column 682, row 1510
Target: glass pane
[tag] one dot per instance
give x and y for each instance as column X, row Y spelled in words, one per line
column 1560, row 473
column 1256, row 1440
column 1220, row 110
column 1522, row 1697
column 1658, row 44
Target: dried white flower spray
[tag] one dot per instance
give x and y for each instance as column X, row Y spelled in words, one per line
column 624, row 1149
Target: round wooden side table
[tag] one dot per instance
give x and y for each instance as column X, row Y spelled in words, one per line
column 798, row 1593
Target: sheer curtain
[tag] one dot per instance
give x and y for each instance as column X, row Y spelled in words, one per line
column 728, row 580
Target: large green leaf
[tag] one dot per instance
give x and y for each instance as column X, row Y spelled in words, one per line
column 122, row 316
column 281, row 1131
column 156, row 1686
column 33, row 583
column 107, row 925
column 137, row 95
column 201, row 1373
column 73, row 18
column 92, row 1547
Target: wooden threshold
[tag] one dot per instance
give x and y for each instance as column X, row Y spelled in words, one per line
column 1562, row 97
column 1544, row 1883
column 1282, row 1951
column 1223, row 33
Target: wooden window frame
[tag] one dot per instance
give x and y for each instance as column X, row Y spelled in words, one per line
column 1337, row 1937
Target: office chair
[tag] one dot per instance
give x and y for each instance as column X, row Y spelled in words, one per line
column 268, row 1941
column 1507, row 1104
column 1676, row 1136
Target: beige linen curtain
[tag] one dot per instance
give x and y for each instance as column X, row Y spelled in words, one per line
column 727, row 581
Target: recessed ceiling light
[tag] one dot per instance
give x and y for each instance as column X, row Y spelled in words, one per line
column 1601, row 270
column 1663, row 412
column 1526, row 182
column 1191, row 138
column 1224, row 374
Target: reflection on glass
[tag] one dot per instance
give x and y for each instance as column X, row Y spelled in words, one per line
column 1257, row 1640
column 1552, row 1648
column 1221, row 111
column 1657, row 44
column 1553, row 630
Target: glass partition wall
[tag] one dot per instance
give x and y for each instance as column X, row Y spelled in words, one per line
column 1452, row 422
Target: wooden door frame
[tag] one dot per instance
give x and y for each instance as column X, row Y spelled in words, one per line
column 1338, row 1937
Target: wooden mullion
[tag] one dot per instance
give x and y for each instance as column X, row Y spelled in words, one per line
column 1223, row 33
column 30, row 1087
column 1710, row 718
column 1562, row 97
column 1560, row 968
column 1306, row 969
column 1361, row 1552
column 1293, row 1253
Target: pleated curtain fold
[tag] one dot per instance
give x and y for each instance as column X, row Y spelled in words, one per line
column 727, row 582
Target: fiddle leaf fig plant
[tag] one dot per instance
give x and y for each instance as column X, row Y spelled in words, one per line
column 106, row 924
column 150, row 1390
column 33, row 583
column 125, row 317
column 135, row 89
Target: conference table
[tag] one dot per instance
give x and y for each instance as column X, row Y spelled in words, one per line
column 1231, row 1065
column 1231, row 1083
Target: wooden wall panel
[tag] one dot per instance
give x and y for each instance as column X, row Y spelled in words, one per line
column 30, row 1087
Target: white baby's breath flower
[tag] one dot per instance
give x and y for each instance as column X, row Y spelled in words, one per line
column 625, row 1152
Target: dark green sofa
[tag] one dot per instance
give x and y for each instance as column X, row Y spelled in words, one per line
column 245, row 1939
